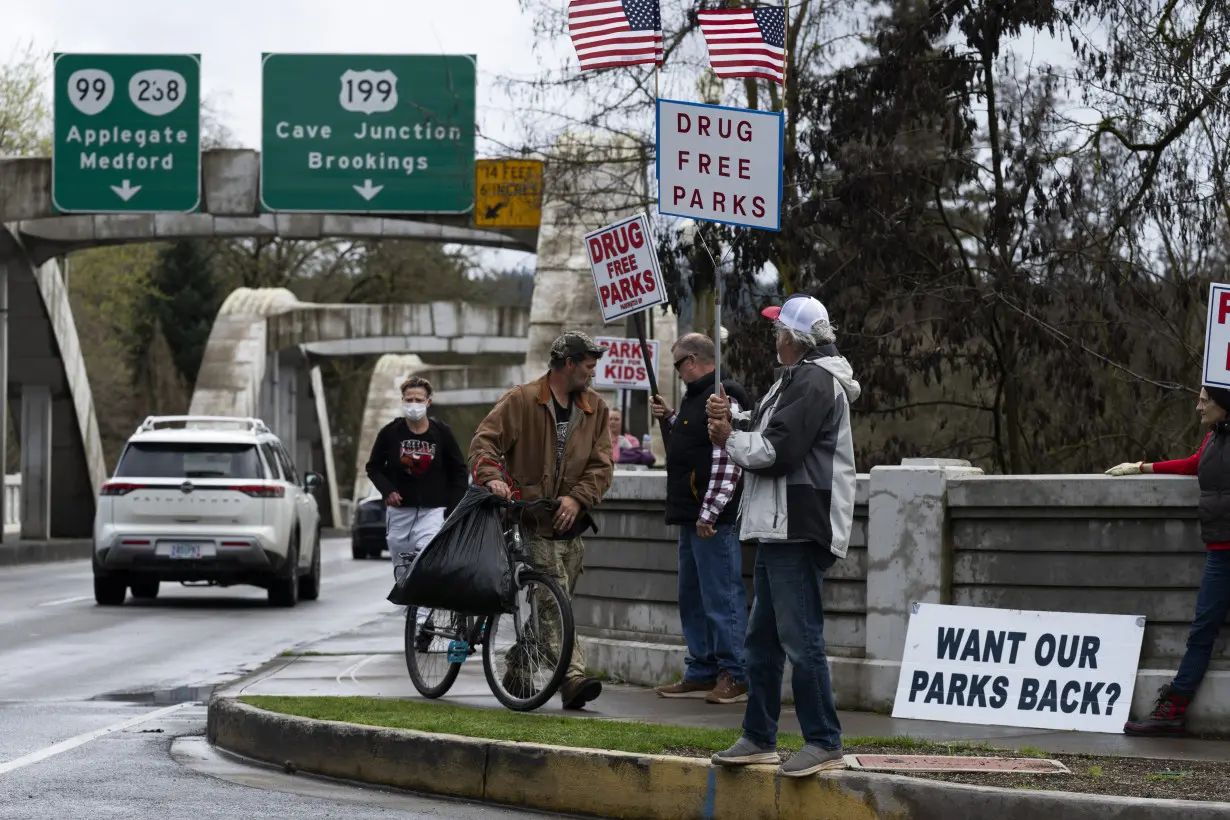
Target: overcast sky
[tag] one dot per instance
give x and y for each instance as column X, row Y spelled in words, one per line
column 230, row 36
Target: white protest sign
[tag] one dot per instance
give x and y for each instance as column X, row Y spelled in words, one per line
column 624, row 261
column 623, row 365
column 1011, row 667
column 1217, row 337
column 720, row 164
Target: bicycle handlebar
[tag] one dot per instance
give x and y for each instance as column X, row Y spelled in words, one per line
column 551, row 504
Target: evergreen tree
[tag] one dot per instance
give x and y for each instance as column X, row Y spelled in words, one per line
column 181, row 305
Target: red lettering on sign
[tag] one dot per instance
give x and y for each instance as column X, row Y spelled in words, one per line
column 595, row 250
column 651, row 284
column 702, row 125
column 758, row 206
column 635, row 236
column 608, row 245
column 723, row 166
column 604, row 292
column 745, row 131
column 1223, row 307
column 678, row 193
column 683, row 158
column 697, row 200
column 737, row 207
column 719, row 201
column 683, row 123
column 702, row 163
column 624, row 291
column 745, row 168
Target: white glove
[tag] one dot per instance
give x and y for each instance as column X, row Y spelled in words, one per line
column 1127, row 468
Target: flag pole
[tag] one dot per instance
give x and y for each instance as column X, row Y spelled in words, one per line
column 785, row 53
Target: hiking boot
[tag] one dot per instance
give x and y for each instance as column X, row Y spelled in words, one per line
column 579, row 691
column 685, row 689
column 811, row 759
column 745, row 752
column 727, row 690
column 1167, row 718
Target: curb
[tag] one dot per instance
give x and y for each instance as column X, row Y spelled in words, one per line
column 638, row 787
column 42, row 552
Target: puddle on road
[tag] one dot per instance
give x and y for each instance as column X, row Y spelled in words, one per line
column 163, row 697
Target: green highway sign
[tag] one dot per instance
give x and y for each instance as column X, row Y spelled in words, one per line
column 127, row 133
column 368, row 133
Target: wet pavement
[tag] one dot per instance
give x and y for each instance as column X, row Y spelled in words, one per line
column 369, row 661
column 100, row 707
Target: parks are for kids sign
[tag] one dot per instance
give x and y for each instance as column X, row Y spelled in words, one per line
column 1011, row 667
column 623, row 365
column 624, row 262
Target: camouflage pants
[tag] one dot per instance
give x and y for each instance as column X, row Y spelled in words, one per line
column 563, row 561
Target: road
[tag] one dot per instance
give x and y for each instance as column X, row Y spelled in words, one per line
column 101, row 711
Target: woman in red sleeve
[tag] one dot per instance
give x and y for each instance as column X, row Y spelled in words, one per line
column 1211, row 466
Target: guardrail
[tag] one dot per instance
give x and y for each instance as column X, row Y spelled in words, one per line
column 12, row 504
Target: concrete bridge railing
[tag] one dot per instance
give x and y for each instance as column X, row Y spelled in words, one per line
column 935, row 532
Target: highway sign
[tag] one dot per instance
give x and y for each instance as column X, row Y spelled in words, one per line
column 368, row 133
column 508, row 193
column 127, row 133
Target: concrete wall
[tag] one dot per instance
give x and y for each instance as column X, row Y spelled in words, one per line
column 629, row 591
column 934, row 531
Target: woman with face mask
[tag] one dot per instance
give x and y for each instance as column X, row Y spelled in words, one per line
column 417, row 466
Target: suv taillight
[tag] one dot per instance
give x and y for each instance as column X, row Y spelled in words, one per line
column 260, row 490
column 119, row 488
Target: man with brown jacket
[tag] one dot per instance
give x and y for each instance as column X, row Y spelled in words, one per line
column 551, row 436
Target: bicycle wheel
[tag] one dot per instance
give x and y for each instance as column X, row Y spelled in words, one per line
column 541, row 629
column 427, row 650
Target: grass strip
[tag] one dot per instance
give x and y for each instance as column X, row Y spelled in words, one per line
column 575, row 732
column 501, row 724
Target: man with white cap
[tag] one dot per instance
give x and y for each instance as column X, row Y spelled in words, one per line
column 797, row 456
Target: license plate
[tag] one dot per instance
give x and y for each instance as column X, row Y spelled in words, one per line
column 186, row 551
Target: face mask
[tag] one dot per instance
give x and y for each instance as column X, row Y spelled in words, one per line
column 414, row 410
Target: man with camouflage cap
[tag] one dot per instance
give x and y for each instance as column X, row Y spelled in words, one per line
column 551, row 436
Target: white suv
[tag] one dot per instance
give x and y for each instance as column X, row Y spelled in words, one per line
column 209, row 499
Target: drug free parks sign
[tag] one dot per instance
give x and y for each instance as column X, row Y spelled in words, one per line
column 624, row 262
column 720, row 164
column 1011, row 667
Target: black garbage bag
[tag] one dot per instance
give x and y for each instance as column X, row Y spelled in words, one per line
column 466, row 568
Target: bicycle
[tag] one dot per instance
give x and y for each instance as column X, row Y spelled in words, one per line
column 516, row 688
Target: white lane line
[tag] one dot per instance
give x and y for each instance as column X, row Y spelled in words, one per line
column 360, row 665
column 68, row 600
column 80, row 740
column 347, row 671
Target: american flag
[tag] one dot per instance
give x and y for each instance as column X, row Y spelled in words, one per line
column 609, row 33
column 746, row 42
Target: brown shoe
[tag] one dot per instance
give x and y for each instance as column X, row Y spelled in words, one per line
column 727, row 691
column 577, row 692
column 685, row 689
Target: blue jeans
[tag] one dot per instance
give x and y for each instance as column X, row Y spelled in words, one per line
column 787, row 621
column 1211, row 606
column 712, row 603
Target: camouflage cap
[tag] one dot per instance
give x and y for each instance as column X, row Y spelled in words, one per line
column 573, row 344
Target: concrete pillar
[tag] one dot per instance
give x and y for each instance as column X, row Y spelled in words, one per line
column 36, row 438
column 909, row 559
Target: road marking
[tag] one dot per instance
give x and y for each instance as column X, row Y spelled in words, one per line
column 80, row 740
column 68, row 600
column 355, row 667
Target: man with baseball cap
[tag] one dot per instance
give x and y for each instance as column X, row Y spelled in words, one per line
column 552, row 437
column 797, row 456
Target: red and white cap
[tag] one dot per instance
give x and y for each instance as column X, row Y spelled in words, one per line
column 798, row 313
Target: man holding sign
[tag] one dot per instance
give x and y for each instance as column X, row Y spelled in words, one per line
column 797, row 455
column 702, row 498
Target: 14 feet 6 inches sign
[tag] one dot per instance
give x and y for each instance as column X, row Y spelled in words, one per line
column 127, row 133
column 1009, row 667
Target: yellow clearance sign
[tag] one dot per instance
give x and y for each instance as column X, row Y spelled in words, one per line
column 508, row 193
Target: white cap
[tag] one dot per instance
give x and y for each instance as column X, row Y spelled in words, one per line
column 798, row 313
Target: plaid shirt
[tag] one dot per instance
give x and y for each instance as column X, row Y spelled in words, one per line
column 723, row 476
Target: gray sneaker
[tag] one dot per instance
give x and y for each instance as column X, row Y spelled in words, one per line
column 812, row 759
column 745, row 752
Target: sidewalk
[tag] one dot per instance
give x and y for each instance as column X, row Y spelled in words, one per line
column 369, row 662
